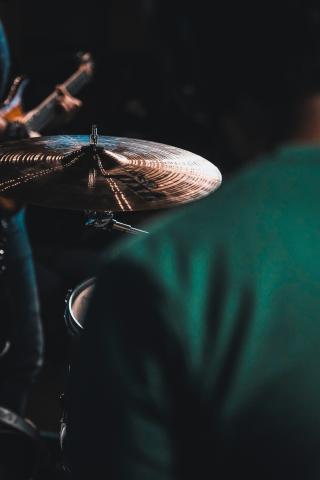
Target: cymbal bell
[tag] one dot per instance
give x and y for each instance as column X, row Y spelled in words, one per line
column 112, row 173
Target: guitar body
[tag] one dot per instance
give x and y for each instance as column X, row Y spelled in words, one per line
column 12, row 109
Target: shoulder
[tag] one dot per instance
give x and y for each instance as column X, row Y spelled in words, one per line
column 245, row 206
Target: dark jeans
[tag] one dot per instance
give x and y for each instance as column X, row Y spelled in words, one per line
column 20, row 317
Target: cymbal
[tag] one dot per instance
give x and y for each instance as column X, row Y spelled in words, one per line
column 110, row 173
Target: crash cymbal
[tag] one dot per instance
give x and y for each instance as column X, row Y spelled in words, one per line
column 110, row 173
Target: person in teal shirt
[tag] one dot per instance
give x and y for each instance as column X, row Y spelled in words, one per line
column 200, row 352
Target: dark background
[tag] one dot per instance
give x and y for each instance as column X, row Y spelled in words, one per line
column 142, row 88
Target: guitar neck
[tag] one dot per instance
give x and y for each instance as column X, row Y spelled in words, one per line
column 42, row 115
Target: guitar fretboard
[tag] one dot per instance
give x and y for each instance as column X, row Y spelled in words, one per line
column 41, row 116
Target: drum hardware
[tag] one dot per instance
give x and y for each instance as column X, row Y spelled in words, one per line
column 94, row 135
column 77, row 301
column 106, row 221
column 9, row 419
column 103, row 174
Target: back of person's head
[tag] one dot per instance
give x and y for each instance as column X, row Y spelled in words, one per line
column 253, row 65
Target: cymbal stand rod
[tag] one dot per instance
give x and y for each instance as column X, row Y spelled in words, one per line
column 94, row 135
column 105, row 221
column 123, row 227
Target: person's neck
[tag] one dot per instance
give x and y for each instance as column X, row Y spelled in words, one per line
column 308, row 130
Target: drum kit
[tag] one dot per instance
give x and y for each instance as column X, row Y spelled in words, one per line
column 102, row 175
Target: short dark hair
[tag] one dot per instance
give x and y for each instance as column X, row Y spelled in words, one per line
column 268, row 51
column 258, row 61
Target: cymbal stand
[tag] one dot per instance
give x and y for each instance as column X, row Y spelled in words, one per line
column 105, row 221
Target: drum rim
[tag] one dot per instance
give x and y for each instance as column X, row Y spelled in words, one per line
column 75, row 292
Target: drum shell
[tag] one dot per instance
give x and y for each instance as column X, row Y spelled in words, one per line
column 77, row 303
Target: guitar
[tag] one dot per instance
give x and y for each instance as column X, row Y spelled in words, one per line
column 41, row 116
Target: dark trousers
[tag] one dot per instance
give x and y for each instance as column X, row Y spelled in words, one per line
column 20, row 321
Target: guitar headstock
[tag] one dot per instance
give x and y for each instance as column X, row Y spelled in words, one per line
column 86, row 62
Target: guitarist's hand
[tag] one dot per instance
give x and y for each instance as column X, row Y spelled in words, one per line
column 14, row 130
column 33, row 134
column 9, row 206
column 68, row 104
column 3, row 126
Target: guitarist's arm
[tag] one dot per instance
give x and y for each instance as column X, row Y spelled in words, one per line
column 47, row 112
column 66, row 105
